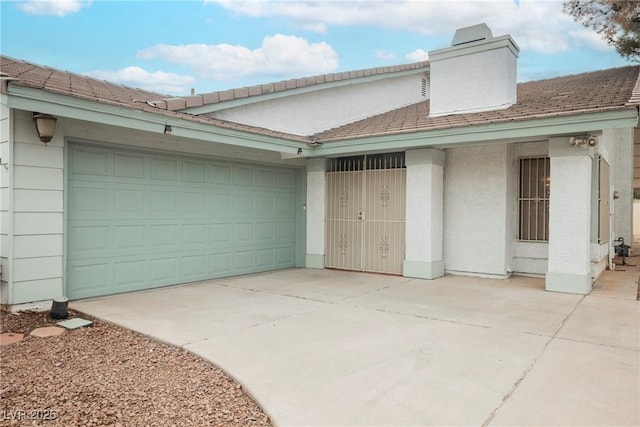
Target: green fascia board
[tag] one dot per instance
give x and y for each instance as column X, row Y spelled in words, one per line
column 225, row 105
column 484, row 133
column 31, row 99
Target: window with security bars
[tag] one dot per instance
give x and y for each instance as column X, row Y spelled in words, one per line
column 535, row 181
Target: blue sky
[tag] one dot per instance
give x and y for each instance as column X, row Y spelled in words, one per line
column 173, row 46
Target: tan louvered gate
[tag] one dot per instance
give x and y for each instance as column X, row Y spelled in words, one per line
column 366, row 213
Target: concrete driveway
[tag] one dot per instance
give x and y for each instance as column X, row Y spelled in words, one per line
column 322, row 347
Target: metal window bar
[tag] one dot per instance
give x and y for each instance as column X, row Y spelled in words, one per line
column 533, row 201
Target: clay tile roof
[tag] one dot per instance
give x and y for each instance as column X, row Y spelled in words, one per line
column 22, row 73
column 264, row 89
column 575, row 94
column 597, row 91
column 31, row 75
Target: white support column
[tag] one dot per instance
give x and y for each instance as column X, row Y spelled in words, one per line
column 315, row 212
column 424, row 228
column 569, row 218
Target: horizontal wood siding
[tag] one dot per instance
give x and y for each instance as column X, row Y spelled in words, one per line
column 38, row 206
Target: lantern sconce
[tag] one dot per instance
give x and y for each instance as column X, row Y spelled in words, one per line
column 45, row 126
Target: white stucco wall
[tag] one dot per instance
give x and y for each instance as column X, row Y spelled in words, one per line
column 38, row 186
column 570, row 214
column 622, row 181
column 475, row 205
column 424, row 203
column 312, row 112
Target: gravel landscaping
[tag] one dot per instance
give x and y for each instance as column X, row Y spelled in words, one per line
column 106, row 375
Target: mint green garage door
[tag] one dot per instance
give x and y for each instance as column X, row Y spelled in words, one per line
column 139, row 220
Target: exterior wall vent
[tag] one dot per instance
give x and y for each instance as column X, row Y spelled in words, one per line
column 423, row 90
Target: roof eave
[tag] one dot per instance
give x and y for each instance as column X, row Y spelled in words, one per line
column 514, row 130
column 34, row 99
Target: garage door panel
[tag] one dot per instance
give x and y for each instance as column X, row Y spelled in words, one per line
column 284, row 205
column 163, row 270
column 243, row 205
column 243, row 176
column 243, row 232
column 164, row 169
column 90, row 161
column 194, row 267
column 220, row 263
column 130, row 166
column 129, row 202
column 265, row 178
column 220, row 233
column 285, row 180
column 194, row 204
column 194, row 235
column 265, row 204
column 130, row 273
column 89, row 279
column 90, row 201
column 285, row 256
column 163, row 236
column 265, row 258
column 220, row 203
column 154, row 220
column 220, row 174
column 243, row 260
column 195, row 172
column 129, row 237
column 265, row 231
column 163, row 204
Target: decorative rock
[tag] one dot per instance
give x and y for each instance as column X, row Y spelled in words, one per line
column 10, row 338
column 75, row 323
column 47, row 331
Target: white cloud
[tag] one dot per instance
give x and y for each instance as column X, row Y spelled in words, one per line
column 417, row 55
column 157, row 81
column 58, row 8
column 383, row 54
column 590, row 39
column 279, row 55
column 537, row 25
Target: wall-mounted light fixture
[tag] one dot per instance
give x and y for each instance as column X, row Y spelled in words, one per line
column 45, row 126
column 584, row 141
column 299, row 151
column 167, row 130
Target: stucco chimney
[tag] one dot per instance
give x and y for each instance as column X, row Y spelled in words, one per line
column 476, row 73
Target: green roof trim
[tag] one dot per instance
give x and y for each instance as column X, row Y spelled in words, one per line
column 31, row 99
column 522, row 130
